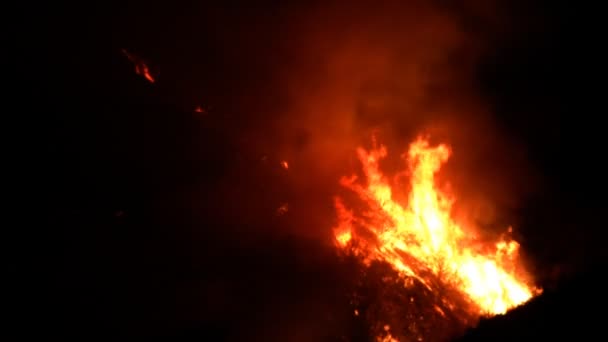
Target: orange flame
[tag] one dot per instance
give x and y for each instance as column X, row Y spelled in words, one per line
column 285, row 165
column 141, row 68
column 422, row 236
column 388, row 337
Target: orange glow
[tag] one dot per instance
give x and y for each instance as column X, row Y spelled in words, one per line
column 141, row 68
column 145, row 72
column 200, row 110
column 285, row 165
column 421, row 236
column 283, row 209
column 345, row 219
column 344, row 237
column 388, row 337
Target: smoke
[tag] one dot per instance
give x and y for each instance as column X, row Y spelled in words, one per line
column 331, row 76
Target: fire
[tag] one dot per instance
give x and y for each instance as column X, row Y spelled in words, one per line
column 421, row 236
column 141, row 68
column 285, row 165
column 388, row 337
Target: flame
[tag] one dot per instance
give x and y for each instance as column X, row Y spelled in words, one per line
column 388, row 337
column 285, row 165
column 422, row 236
column 141, row 68
column 345, row 220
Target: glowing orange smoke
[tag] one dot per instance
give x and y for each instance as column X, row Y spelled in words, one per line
column 141, row 68
column 422, row 236
column 284, row 208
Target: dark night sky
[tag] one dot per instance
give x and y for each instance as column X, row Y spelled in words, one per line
column 161, row 221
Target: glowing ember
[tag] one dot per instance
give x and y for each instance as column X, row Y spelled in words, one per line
column 141, row 68
column 388, row 337
column 421, row 238
column 283, row 209
column 285, row 165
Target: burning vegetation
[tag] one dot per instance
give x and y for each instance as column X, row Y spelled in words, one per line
column 141, row 68
column 446, row 273
column 414, row 270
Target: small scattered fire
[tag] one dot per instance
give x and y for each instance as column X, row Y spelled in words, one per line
column 420, row 238
column 388, row 337
column 141, row 68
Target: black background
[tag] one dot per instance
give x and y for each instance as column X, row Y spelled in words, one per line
column 140, row 236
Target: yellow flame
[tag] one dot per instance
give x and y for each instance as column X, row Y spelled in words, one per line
column 425, row 231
